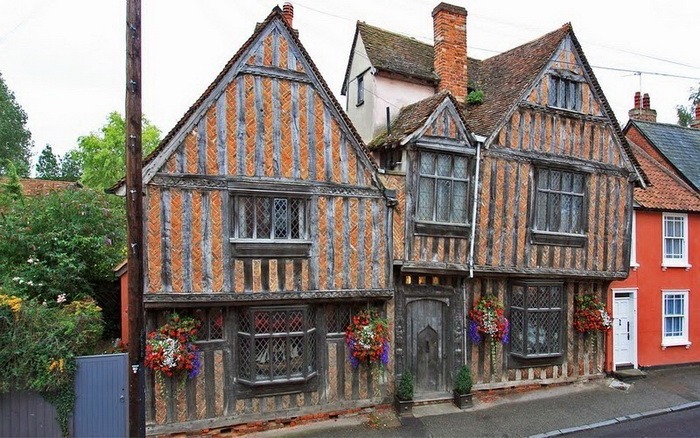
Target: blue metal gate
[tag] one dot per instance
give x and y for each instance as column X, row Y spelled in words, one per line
column 101, row 404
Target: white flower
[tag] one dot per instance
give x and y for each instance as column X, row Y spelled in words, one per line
column 30, row 283
column 32, row 260
column 16, row 279
column 61, row 299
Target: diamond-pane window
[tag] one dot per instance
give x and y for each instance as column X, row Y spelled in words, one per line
column 278, row 345
column 269, row 218
column 536, row 320
column 443, row 187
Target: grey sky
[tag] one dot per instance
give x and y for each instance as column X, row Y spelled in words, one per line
column 64, row 59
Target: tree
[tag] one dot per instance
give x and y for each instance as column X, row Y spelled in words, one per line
column 686, row 114
column 11, row 189
column 71, row 166
column 103, row 155
column 66, row 168
column 15, row 138
column 64, row 242
column 47, row 166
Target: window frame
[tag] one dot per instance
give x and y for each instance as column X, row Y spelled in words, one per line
column 360, row 97
column 522, row 359
column 434, row 226
column 560, row 238
column 633, row 242
column 669, row 262
column 683, row 339
column 565, row 91
column 310, row 342
column 269, row 246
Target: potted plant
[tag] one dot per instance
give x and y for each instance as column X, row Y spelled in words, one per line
column 404, row 394
column 463, row 388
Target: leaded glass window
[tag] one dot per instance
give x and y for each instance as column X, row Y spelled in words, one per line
column 276, row 345
column 564, row 93
column 443, row 187
column 270, row 218
column 560, row 201
column 536, row 320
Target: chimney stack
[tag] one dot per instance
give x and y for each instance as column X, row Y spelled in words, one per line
column 450, row 49
column 695, row 123
column 288, row 13
column 643, row 111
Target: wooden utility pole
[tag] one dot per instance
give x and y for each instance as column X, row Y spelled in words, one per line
column 134, row 220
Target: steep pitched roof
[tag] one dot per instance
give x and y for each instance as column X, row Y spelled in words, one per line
column 275, row 15
column 680, row 146
column 395, row 53
column 411, row 118
column 505, row 77
column 667, row 191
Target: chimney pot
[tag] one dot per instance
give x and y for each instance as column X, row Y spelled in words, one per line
column 288, row 13
column 696, row 121
column 643, row 111
column 637, row 99
column 646, row 102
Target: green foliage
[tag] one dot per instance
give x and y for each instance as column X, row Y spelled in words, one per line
column 10, row 190
column 38, row 346
column 71, row 166
column 475, row 97
column 47, row 166
column 65, row 242
column 66, row 168
column 463, row 380
column 405, row 389
column 103, row 155
column 15, row 138
column 686, row 114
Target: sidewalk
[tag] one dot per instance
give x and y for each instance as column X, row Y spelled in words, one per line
column 544, row 412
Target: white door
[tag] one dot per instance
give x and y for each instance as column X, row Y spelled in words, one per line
column 624, row 332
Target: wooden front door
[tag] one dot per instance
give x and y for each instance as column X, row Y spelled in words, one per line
column 425, row 330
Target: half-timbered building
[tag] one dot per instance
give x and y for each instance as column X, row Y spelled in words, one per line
column 512, row 179
column 265, row 219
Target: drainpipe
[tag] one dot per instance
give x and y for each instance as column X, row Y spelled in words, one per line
column 471, row 247
column 474, row 205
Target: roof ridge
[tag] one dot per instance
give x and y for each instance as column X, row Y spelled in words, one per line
column 564, row 29
column 663, row 168
column 674, row 125
column 362, row 23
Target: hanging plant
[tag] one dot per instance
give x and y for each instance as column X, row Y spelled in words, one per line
column 486, row 319
column 171, row 352
column 590, row 317
column 367, row 338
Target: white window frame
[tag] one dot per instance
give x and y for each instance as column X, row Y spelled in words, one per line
column 360, row 90
column 671, row 341
column 669, row 262
column 633, row 247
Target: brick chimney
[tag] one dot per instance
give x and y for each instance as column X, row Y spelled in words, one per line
column 642, row 108
column 288, row 13
column 450, row 48
column 695, row 123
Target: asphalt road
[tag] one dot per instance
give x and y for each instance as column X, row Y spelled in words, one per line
column 676, row 424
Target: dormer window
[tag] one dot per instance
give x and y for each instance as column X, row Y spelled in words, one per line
column 565, row 91
column 443, row 188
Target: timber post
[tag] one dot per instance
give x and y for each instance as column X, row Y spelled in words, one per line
column 134, row 213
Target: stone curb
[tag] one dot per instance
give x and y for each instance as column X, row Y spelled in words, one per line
column 630, row 417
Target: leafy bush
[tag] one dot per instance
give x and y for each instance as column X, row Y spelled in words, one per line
column 475, row 97
column 463, row 381
column 405, row 389
column 39, row 343
column 65, row 242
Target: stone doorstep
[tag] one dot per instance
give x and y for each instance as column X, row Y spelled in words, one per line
column 628, row 374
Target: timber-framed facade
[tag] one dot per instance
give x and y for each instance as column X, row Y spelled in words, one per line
column 266, row 221
column 548, row 193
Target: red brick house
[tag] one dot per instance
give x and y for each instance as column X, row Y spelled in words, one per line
column 654, row 309
column 521, row 190
column 266, row 220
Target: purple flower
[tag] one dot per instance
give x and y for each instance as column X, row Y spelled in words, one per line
column 506, row 331
column 196, row 364
column 385, row 352
column 474, row 332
